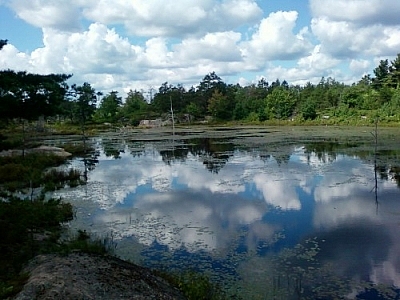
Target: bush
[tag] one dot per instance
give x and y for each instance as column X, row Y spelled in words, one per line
column 27, row 228
column 18, row 172
column 309, row 111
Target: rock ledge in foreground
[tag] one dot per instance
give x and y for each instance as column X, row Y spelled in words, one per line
column 87, row 276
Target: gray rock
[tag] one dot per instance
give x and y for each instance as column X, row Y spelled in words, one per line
column 87, row 276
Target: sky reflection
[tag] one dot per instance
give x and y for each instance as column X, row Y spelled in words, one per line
column 253, row 204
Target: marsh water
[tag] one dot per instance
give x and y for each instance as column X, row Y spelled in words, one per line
column 266, row 212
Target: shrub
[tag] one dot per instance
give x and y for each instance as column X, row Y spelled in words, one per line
column 26, row 226
column 309, row 111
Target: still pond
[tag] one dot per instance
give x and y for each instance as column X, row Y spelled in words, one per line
column 268, row 212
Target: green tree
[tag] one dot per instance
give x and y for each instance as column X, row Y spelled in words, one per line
column 369, row 97
column 395, row 101
column 308, row 110
column 385, row 94
column 44, row 94
column 135, row 107
column 193, row 110
column 275, row 84
column 108, row 109
column 352, row 97
column 161, row 102
column 218, row 106
column 392, row 107
column 280, row 103
column 29, row 96
column 394, row 72
column 211, row 82
column 241, row 110
column 85, row 99
column 381, row 74
column 193, row 100
column 206, row 88
column 10, row 94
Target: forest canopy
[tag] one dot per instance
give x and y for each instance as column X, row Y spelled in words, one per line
column 30, row 96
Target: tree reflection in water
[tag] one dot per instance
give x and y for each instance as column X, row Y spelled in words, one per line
column 289, row 221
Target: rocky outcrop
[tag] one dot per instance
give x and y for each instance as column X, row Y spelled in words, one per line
column 42, row 149
column 87, row 276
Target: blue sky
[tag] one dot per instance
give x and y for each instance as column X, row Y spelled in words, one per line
column 140, row 44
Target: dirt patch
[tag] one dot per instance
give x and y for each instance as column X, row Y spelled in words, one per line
column 87, row 276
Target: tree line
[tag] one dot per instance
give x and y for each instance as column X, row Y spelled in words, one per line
column 28, row 96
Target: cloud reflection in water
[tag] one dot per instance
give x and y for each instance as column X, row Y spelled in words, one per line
column 247, row 203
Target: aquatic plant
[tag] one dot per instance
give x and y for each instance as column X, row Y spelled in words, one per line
column 195, row 286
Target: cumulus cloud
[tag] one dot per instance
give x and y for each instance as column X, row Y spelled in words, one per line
column 122, row 45
column 98, row 55
column 309, row 68
column 352, row 29
column 275, row 39
column 18, row 59
column 218, row 46
column 344, row 39
column 369, row 12
column 102, row 57
column 359, row 66
column 177, row 18
column 60, row 15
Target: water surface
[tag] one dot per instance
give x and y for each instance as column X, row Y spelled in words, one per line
column 266, row 212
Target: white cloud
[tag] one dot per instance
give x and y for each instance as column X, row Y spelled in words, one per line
column 104, row 58
column 60, row 15
column 310, row 68
column 344, row 39
column 317, row 61
column 217, row 46
column 98, row 55
column 356, row 31
column 122, row 45
column 176, row 18
column 359, row 66
column 358, row 11
column 149, row 18
column 11, row 54
column 234, row 13
column 157, row 54
column 275, row 39
column 100, row 50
